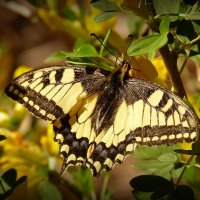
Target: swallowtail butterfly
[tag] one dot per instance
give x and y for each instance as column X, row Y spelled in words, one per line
column 98, row 118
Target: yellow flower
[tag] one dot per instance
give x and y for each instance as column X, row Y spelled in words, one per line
column 26, row 158
column 142, row 68
column 48, row 143
column 20, row 70
column 163, row 78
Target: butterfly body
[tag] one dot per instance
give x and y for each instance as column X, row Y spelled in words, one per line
column 98, row 118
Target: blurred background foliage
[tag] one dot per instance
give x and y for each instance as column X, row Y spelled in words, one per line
column 37, row 33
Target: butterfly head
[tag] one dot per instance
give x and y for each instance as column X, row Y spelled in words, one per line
column 121, row 72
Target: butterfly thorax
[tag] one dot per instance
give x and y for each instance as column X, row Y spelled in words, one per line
column 120, row 74
column 110, row 98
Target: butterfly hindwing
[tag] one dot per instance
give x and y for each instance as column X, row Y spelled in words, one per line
column 159, row 116
column 109, row 123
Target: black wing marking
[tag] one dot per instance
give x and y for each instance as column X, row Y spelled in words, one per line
column 49, row 93
column 164, row 117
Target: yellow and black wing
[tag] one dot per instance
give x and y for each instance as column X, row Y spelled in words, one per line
column 97, row 121
column 51, row 92
column 105, row 126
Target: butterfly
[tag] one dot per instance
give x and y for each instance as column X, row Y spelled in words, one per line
column 99, row 117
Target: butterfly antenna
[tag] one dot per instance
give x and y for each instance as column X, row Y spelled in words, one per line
column 94, row 35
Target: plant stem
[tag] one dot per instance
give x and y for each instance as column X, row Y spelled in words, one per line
column 184, row 169
column 105, row 186
column 170, row 60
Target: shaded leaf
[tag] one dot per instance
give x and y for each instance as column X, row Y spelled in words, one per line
column 147, row 44
column 187, row 152
column 184, row 192
column 185, row 31
column 2, row 137
column 151, row 183
column 104, row 16
column 166, row 7
column 69, row 14
column 48, row 191
column 19, row 191
column 10, row 176
column 194, row 16
column 142, row 195
column 105, row 5
column 20, row 180
column 83, row 180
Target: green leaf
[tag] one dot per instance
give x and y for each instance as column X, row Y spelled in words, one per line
column 157, row 186
column 69, row 14
column 83, row 181
column 150, row 183
column 166, row 7
column 2, row 137
column 10, row 177
column 168, row 157
column 196, row 148
column 187, row 152
column 153, row 152
column 55, row 57
column 184, row 192
column 165, row 171
column 150, row 164
column 142, row 195
column 85, row 50
column 105, row 5
column 185, row 31
column 48, row 191
column 20, row 180
column 105, row 16
column 164, row 25
column 194, row 16
column 147, row 44
column 104, row 42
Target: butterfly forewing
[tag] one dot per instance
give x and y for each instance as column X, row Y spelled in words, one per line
column 50, row 93
column 98, row 121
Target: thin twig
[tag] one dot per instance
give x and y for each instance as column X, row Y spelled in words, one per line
column 184, row 169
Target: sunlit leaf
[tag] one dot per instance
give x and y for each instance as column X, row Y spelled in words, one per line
column 147, row 44
column 55, row 57
column 85, row 50
column 164, row 25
